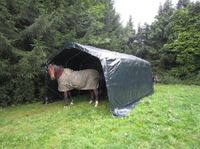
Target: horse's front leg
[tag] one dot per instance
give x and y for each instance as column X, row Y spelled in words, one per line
column 96, row 93
column 67, row 98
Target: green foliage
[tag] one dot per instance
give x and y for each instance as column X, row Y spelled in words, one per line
column 171, row 42
column 183, row 4
column 160, row 27
column 31, row 30
column 29, row 71
column 185, row 47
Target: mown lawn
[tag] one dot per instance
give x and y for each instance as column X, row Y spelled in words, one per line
column 170, row 118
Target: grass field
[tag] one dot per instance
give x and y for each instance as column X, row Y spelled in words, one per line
column 170, row 118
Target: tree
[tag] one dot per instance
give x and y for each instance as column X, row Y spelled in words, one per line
column 127, row 37
column 182, row 4
column 185, row 47
column 31, row 30
column 160, row 27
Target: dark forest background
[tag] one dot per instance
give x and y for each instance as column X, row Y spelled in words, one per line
column 31, row 30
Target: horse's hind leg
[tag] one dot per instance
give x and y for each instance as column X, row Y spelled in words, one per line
column 66, row 98
column 96, row 93
column 92, row 96
column 70, row 97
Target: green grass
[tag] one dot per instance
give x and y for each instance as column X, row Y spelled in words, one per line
column 170, row 118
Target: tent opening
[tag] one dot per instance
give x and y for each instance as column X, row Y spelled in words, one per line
column 76, row 60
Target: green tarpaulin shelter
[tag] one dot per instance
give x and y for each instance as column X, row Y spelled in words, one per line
column 127, row 78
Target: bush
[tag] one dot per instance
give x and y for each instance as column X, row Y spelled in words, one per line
column 170, row 78
column 22, row 82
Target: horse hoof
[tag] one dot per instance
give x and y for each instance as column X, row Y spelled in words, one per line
column 71, row 103
column 96, row 104
column 90, row 101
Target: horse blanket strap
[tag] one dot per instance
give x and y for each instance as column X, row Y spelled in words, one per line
column 87, row 79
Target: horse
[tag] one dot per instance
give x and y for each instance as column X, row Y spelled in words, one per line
column 68, row 79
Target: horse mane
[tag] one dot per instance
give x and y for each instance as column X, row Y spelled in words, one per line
column 58, row 66
column 55, row 66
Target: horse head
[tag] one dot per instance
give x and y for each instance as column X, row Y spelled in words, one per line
column 51, row 71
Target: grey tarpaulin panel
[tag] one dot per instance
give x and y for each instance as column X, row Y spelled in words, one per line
column 128, row 78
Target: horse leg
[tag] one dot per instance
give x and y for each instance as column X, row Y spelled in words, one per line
column 66, row 98
column 70, row 97
column 45, row 100
column 92, row 96
column 96, row 93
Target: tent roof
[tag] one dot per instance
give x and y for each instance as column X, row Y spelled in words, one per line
column 100, row 53
column 128, row 78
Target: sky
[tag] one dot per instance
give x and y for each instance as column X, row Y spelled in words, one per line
column 141, row 10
